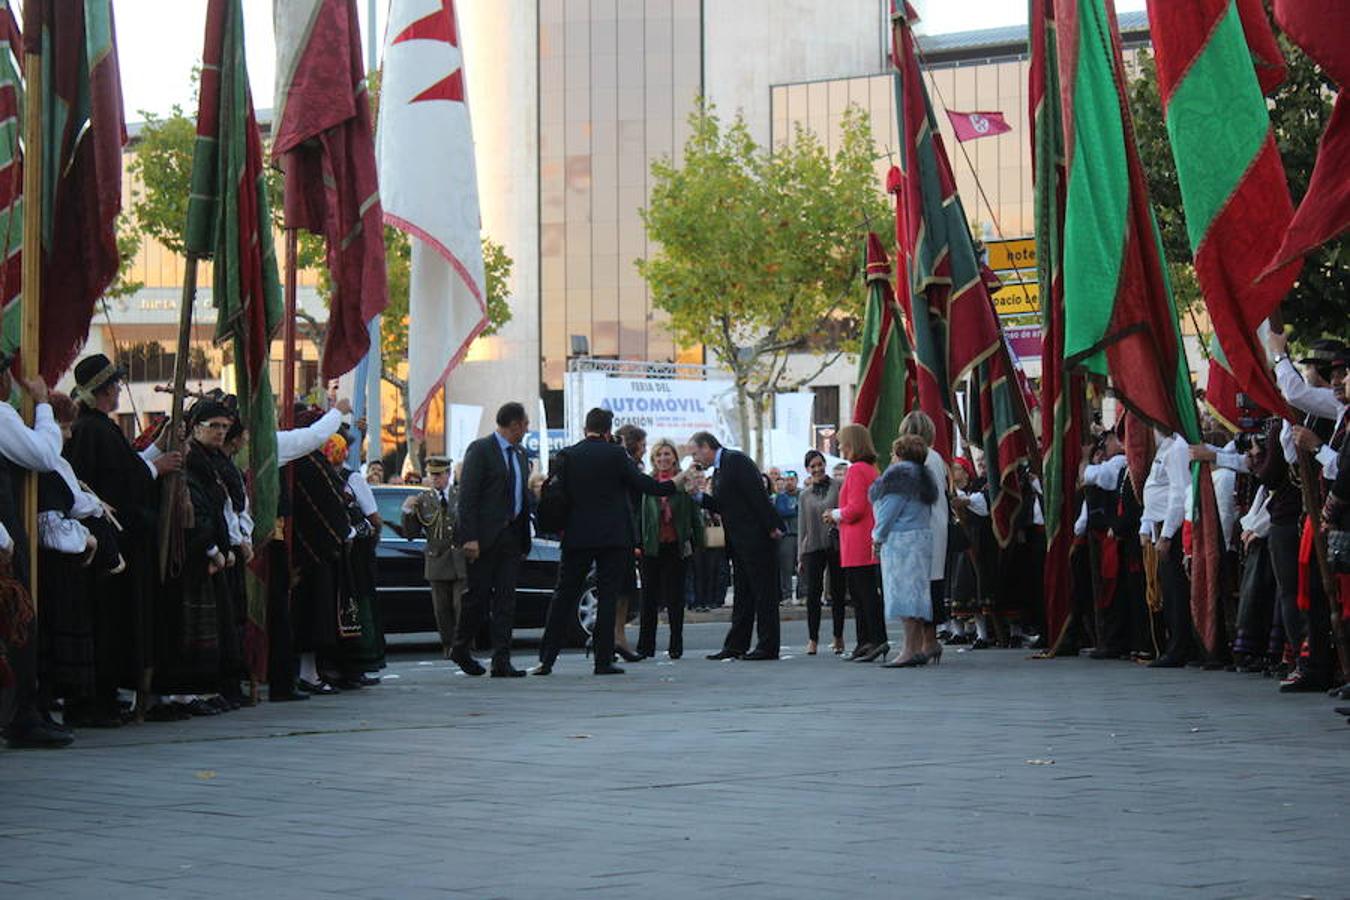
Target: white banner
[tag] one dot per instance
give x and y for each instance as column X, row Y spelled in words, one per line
column 792, row 414
column 461, row 428
column 670, row 408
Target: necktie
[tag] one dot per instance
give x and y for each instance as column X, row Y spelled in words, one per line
column 511, row 481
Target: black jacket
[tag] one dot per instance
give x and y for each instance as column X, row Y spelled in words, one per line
column 486, row 497
column 600, row 478
column 738, row 496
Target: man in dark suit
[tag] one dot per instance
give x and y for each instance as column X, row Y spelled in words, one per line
column 494, row 528
column 597, row 475
column 752, row 526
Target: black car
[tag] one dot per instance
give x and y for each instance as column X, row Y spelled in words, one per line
column 405, row 597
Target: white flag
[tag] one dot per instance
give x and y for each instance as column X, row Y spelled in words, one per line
column 429, row 187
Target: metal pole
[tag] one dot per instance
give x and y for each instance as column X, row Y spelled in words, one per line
column 31, row 325
column 288, row 336
column 173, row 480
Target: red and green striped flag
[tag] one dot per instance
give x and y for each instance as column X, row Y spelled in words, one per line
column 957, row 335
column 885, row 358
column 1063, row 391
column 1119, row 317
column 82, row 137
column 1232, row 182
column 229, row 219
column 11, row 178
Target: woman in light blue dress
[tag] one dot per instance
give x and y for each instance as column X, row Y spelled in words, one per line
column 901, row 507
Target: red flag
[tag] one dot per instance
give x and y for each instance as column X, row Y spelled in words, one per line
column 326, row 147
column 1323, row 31
column 82, row 137
column 971, row 126
column 1271, row 69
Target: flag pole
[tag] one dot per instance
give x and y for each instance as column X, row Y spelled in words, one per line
column 173, row 439
column 288, row 335
column 30, row 313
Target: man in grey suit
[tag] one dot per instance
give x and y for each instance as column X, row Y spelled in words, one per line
column 431, row 514
column 494, row 530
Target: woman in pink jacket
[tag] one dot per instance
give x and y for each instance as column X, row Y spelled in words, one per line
column 862, row 570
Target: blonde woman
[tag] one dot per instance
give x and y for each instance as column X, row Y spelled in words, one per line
column 919, row 424
column 671, row 529
column 862, row 570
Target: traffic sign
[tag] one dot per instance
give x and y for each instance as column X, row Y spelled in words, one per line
column 1014, row 254
column 1018, row 299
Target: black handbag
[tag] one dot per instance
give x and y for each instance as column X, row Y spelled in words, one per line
column 1338, row 551
column 550, row 517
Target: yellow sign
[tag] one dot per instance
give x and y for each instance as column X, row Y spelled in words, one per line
column 1015, row 254
column 1018, row 299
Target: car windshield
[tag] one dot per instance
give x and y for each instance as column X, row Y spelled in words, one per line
column 390, row 499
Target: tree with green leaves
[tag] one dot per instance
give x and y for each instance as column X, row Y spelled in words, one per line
column 760, row 252
column 1320, row 301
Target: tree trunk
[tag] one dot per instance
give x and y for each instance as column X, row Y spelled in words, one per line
column 759, row 430
column 743, row 412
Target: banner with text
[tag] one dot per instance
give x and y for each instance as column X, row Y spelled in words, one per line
column 671, row 408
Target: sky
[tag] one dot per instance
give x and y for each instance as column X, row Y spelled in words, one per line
column 159, row 42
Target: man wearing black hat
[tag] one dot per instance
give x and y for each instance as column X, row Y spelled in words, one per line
column 1320, row 396
column 36, row 449
column 104, row 459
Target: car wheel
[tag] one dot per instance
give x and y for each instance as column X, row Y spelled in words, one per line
column 587, row 609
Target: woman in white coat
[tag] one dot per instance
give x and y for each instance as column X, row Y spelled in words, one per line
column 919, row 424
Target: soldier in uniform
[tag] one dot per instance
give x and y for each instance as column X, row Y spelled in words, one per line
column 432, row 514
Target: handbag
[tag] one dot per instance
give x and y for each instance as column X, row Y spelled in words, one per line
column 714, row 536
column 1338, row 551
column 550, row 517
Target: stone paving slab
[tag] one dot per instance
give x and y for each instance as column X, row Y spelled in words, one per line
column 990, row 775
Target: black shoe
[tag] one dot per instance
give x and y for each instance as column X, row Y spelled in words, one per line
column 200, row 707
column 724, row 654
column 1342, row 710
column 629, row 655
column 542, row 669
column 37, row 736
column 979, row 644
column 315, row 687
column 507, row 671
column 348, row 684
column 467, row 664
column 366, row 680
column 875, row 653
column 1302, row 683
column 1167, row 662
column 608, row 670
column 1106, row 653
column 759, row 655
column 1342, row 692
column 859, row 651
column 285, row 696
column 675, row 654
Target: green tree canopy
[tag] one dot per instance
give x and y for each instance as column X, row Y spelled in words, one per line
column 760, row 251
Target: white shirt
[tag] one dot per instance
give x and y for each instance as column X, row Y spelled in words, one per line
column 297, row 442
column 1315, row 401
column 1155, row 490
column 1257, row 519
column 365, row 497
column 1177, row 462
column 979, row 504
column 1037, row 514
column 1080, row 524
column 56, row 532
column 37, row 449
column 1225, row 492
column 1106, row 475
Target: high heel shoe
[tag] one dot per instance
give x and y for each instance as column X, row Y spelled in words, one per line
column 629, row 655
column 918, row 659
column 935, row 657
column 811, row 648
column 877, row 652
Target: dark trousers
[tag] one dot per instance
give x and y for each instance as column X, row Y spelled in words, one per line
column 864, row 586
column 662, row 588
column 815, row 565
column 755, row 605
column 1256, row 602
column 1113, row 613
column 283, row 663
column 610, row 564
column 1282, row 544
column 492, row 592
column 786, row 549
column 1176, row 588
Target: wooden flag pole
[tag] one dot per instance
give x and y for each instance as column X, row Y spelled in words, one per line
column 288, row 335
column 174, row 438
column 31, row 331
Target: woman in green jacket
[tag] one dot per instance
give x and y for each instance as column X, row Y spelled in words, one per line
column 671, row 528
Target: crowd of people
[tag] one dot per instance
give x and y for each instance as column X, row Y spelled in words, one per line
column 146, row 568
column 155, row 606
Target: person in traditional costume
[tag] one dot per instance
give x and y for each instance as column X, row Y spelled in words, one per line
column 359, row 645
column 105, row 460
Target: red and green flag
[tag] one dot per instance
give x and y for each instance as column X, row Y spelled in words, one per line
column 11, row 177
column 230, row 220
column 957, row 335
column 1229, row 171
column 1119, row 316
column 325, row 144
column 82, row 137
column 1063, row 390
column 885, row 358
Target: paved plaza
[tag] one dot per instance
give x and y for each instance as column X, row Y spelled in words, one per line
column 809, row 777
